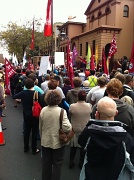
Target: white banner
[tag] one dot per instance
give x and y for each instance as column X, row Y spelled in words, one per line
column 44, row 65
column 59, row 58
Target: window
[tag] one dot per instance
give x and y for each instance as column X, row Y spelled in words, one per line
column 86, row 47
column 92, row 18
column 80, row 49
column 126, row 11
column 99, row 14
column 107, row 10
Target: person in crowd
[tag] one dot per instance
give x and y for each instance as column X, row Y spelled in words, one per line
column 124, row 63
column 31, row 122
column 82, row 75
column 36, row 87
column 125, row 114
column 72, row 95
column 109, row 148
column 98, row 94
column 92, row 79
column 16, row 81
column 85, row 86
column 67, row 86
column 92, row 90
column 44, row 85
column 2, row 103
column 129, row 85
column 128, row 100
column 76, row 74
column 52, row 150
column 79, row 114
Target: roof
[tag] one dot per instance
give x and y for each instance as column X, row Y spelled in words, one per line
column 71, row 22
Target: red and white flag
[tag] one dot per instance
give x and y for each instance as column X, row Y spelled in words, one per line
column 131, row 65
column 70, row 71
column 113, row 47
column 9, row 72
column 32, row 41
column 48, row 24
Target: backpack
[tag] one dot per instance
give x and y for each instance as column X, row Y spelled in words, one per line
column 36, row 109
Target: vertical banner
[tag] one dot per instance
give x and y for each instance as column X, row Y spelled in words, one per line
column 48, row 25
column 88, row 58
column 131, row 65
column 59, row 58
column 32, row 41
column 9, row 72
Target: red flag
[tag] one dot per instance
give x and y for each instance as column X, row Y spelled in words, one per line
column 131, row 65
column 9, row 72
column 113, row 47
column 48, row 25
column 104, row 64
column 32, row 42
column 82, row 60
column 70, row 71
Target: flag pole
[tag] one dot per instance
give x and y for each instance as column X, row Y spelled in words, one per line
column 52, row 53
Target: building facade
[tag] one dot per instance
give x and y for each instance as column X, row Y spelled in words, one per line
column 103, row 19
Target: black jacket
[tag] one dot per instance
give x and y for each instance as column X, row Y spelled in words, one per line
column 105, row 152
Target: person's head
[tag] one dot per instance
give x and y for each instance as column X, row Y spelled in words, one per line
column 67, row 81
column 114, row 88
column 52, row 85
column 53, row 97
column 76, row 74
column 29, row 83
column 18, row 70
column 121, row 77
column 128, row 100
column 129, row 80
column 47, row 77
column 77, row 82
column 86, row 83
column 92, row 72
column 33, row 76
column 101, row 81
column 57, row 79
column 106, row 109
column 82, row 95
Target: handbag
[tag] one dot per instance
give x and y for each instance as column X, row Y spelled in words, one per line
column 36, row 109
column 63, row 136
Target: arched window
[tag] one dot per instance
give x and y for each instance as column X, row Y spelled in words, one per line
column 92, row 18
column 126, row 11
column 99, row 14
column 107, row 10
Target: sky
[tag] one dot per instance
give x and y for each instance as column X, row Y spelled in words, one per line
column 19, row 11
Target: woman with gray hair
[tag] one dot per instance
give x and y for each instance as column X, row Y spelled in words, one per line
column 52, row 150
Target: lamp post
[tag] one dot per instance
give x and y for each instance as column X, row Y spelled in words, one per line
column 70, row 72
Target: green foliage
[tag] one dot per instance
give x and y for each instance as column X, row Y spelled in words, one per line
column 17, row 39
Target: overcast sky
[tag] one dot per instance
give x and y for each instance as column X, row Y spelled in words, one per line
column 16, row 10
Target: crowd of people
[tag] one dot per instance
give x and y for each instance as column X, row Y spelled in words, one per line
column 100, row 110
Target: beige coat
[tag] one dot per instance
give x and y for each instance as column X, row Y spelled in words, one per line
column 79, row 115
column 49, row 126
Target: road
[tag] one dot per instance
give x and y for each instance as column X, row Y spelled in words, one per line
column 17, row 165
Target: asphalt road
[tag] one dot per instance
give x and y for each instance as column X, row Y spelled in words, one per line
column 17, row 165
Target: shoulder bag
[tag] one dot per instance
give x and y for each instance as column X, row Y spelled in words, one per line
column 64, row 137
column 36, row 109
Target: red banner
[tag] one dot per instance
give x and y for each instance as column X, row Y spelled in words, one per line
column 32, row 42
column 113, row 47
column 70, row 71
column 104, row 64
column 48, row 25
column 131, row 65
column 9, row 72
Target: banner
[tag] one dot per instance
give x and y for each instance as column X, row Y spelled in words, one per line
column 9, row 72
column 70, row 71
column 75, row 53
column 48, row 25
column 88, row 58
column 44, row 65
column 104, row 64
column 131, row 65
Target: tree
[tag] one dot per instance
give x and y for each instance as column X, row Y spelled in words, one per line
column 17, row 39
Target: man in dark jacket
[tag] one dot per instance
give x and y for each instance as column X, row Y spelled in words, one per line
column 109, row 148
